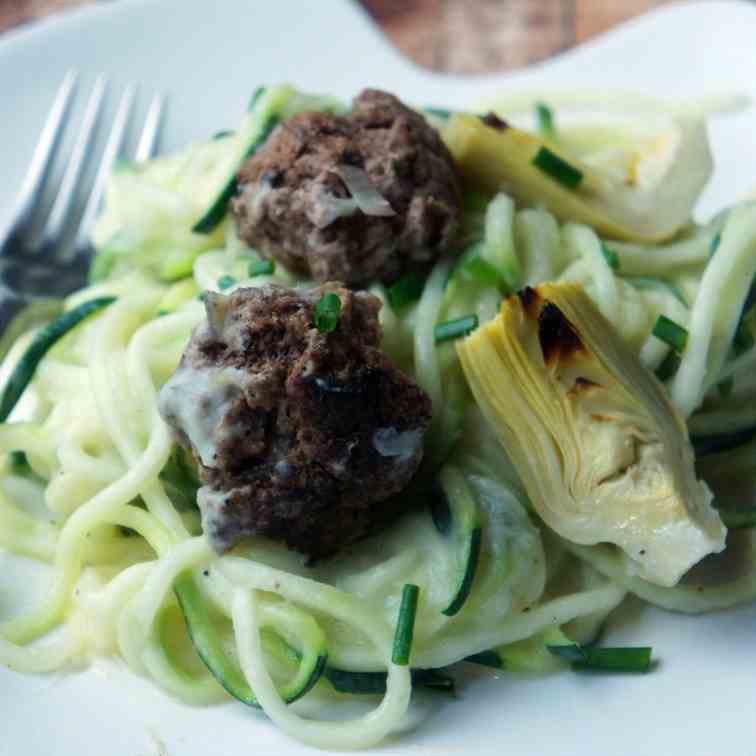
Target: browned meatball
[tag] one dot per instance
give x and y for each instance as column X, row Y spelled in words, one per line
column 300, row 436
column 294, row 204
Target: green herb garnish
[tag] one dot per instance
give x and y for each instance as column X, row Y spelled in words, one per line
column 560, row 170
column 453, row 329
column 261, row 268
column 669, row 367
column 545, row 117
column 670, row 333
column 18, row 462
column 226, row 282
column 256, row 95
column 406, row 290
column 611, row 257
column 327, row 312
column 405, row 626
column 628, row 659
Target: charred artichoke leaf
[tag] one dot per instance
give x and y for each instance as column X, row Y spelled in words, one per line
column 603, row 454
column 649, row 202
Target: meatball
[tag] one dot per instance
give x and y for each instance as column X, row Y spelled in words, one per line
column 300, row 435
column 295, row 202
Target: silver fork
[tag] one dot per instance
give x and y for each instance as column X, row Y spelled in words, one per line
column 48, row 257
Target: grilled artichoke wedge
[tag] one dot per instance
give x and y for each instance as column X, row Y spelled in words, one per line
column 649, row 200
column 602, row 452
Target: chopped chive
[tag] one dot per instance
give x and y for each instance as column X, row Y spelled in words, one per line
column 327, row 312
column 669, row 367
column 545, row 118
column 453, row 329
column 714, row 243
column 670, row 333
column 406, row 290
column 261, row 268
column 628, row 659
column 405, row 626
column 256, row 95
column 374, row 683
column 611, row 257
column 560, row 170
column 222, row 134
column 226, row 282
column 18, row 462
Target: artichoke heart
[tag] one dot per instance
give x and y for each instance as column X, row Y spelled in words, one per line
column 603, row 454
column 643, row 193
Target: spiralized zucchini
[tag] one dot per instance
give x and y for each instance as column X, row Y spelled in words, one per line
column 100, row 495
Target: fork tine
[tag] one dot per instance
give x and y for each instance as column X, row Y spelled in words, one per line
column 149, row 137
column 43, row 152
column 112, row 149
column 76, row 162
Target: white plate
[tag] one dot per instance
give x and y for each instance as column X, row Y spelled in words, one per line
column 209, row 56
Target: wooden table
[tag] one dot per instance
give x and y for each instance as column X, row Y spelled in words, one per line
column 462, row 36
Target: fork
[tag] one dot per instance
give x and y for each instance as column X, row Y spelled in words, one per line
column 44, row 258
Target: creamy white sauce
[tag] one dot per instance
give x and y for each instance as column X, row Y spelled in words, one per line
column 211, row 504
column 389, row 442
column 196, row 400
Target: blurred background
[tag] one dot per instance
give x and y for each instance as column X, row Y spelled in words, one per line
column 459, row 36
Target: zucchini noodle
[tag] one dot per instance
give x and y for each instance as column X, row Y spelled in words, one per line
column 100, row 497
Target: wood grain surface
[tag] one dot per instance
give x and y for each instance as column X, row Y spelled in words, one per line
column 460, row 36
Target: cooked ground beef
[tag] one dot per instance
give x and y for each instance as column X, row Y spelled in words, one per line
column 301, row 436
column 294, row 204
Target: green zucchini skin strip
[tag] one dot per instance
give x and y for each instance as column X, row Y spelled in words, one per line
column 217, row 210
column 605, row 659
column 720, row 442
column 471, row 566
column 489, row 658
column 374, row 683
column 41, row 344
column 737, row 518
column 456, row 517
column 224, row 670
column 207, row 644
